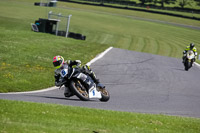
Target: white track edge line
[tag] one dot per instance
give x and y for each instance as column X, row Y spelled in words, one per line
column 99, row 56
column 197, row 64
column 37, row 91
column 54, row 87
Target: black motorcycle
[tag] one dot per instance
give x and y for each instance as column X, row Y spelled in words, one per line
column 82, row 85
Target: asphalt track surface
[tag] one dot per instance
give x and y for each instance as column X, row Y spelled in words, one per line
column 137, row 82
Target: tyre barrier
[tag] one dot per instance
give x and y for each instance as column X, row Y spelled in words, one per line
column 50, row 4
column 40, row 4
column 76, row 36
column 73, row 35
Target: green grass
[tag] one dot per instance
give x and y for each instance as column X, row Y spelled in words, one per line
column 28, row 117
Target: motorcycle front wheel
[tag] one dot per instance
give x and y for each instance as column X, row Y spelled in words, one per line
column 105, row 94
column 188, row 65
column 79, row 90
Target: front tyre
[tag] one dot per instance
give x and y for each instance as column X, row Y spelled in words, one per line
column 79, row 90
column 186, row 67
column 187, row 64
column 105, row 94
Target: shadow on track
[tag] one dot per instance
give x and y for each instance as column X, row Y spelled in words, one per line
column 53, row 97
column 61, row 98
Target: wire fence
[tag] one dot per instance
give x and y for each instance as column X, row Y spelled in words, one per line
column 63, row 22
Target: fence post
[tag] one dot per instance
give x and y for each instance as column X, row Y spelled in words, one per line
column 49, row 14
column 68, row 25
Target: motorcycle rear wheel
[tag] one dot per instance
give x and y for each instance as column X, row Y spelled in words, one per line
column 79, row 90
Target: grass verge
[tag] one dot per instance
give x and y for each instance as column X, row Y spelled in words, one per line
column 28, row 117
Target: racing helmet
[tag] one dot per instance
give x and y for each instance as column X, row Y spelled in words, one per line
column 192, row 45
column 58, row 61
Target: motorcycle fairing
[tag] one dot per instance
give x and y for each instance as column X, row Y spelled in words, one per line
column 93, row 93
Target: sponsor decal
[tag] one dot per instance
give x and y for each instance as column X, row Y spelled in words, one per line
column 93, row 92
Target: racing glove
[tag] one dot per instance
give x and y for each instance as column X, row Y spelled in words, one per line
column 78, row 62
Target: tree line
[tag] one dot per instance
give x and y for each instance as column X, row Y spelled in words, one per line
column 161, row 3
column 130, row 5
column 182, row 3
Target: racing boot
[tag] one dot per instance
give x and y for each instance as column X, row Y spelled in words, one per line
column 96, row 81
column 94, row 78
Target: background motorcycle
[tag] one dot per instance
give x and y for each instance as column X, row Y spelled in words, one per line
column 82, row 85
column 189, row 60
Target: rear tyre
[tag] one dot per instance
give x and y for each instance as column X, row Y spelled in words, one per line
column 79, row 90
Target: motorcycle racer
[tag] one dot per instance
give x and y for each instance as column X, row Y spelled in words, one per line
column 190, row 47
column 60, row 64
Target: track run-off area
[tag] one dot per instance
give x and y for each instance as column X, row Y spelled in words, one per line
column 137, row 82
